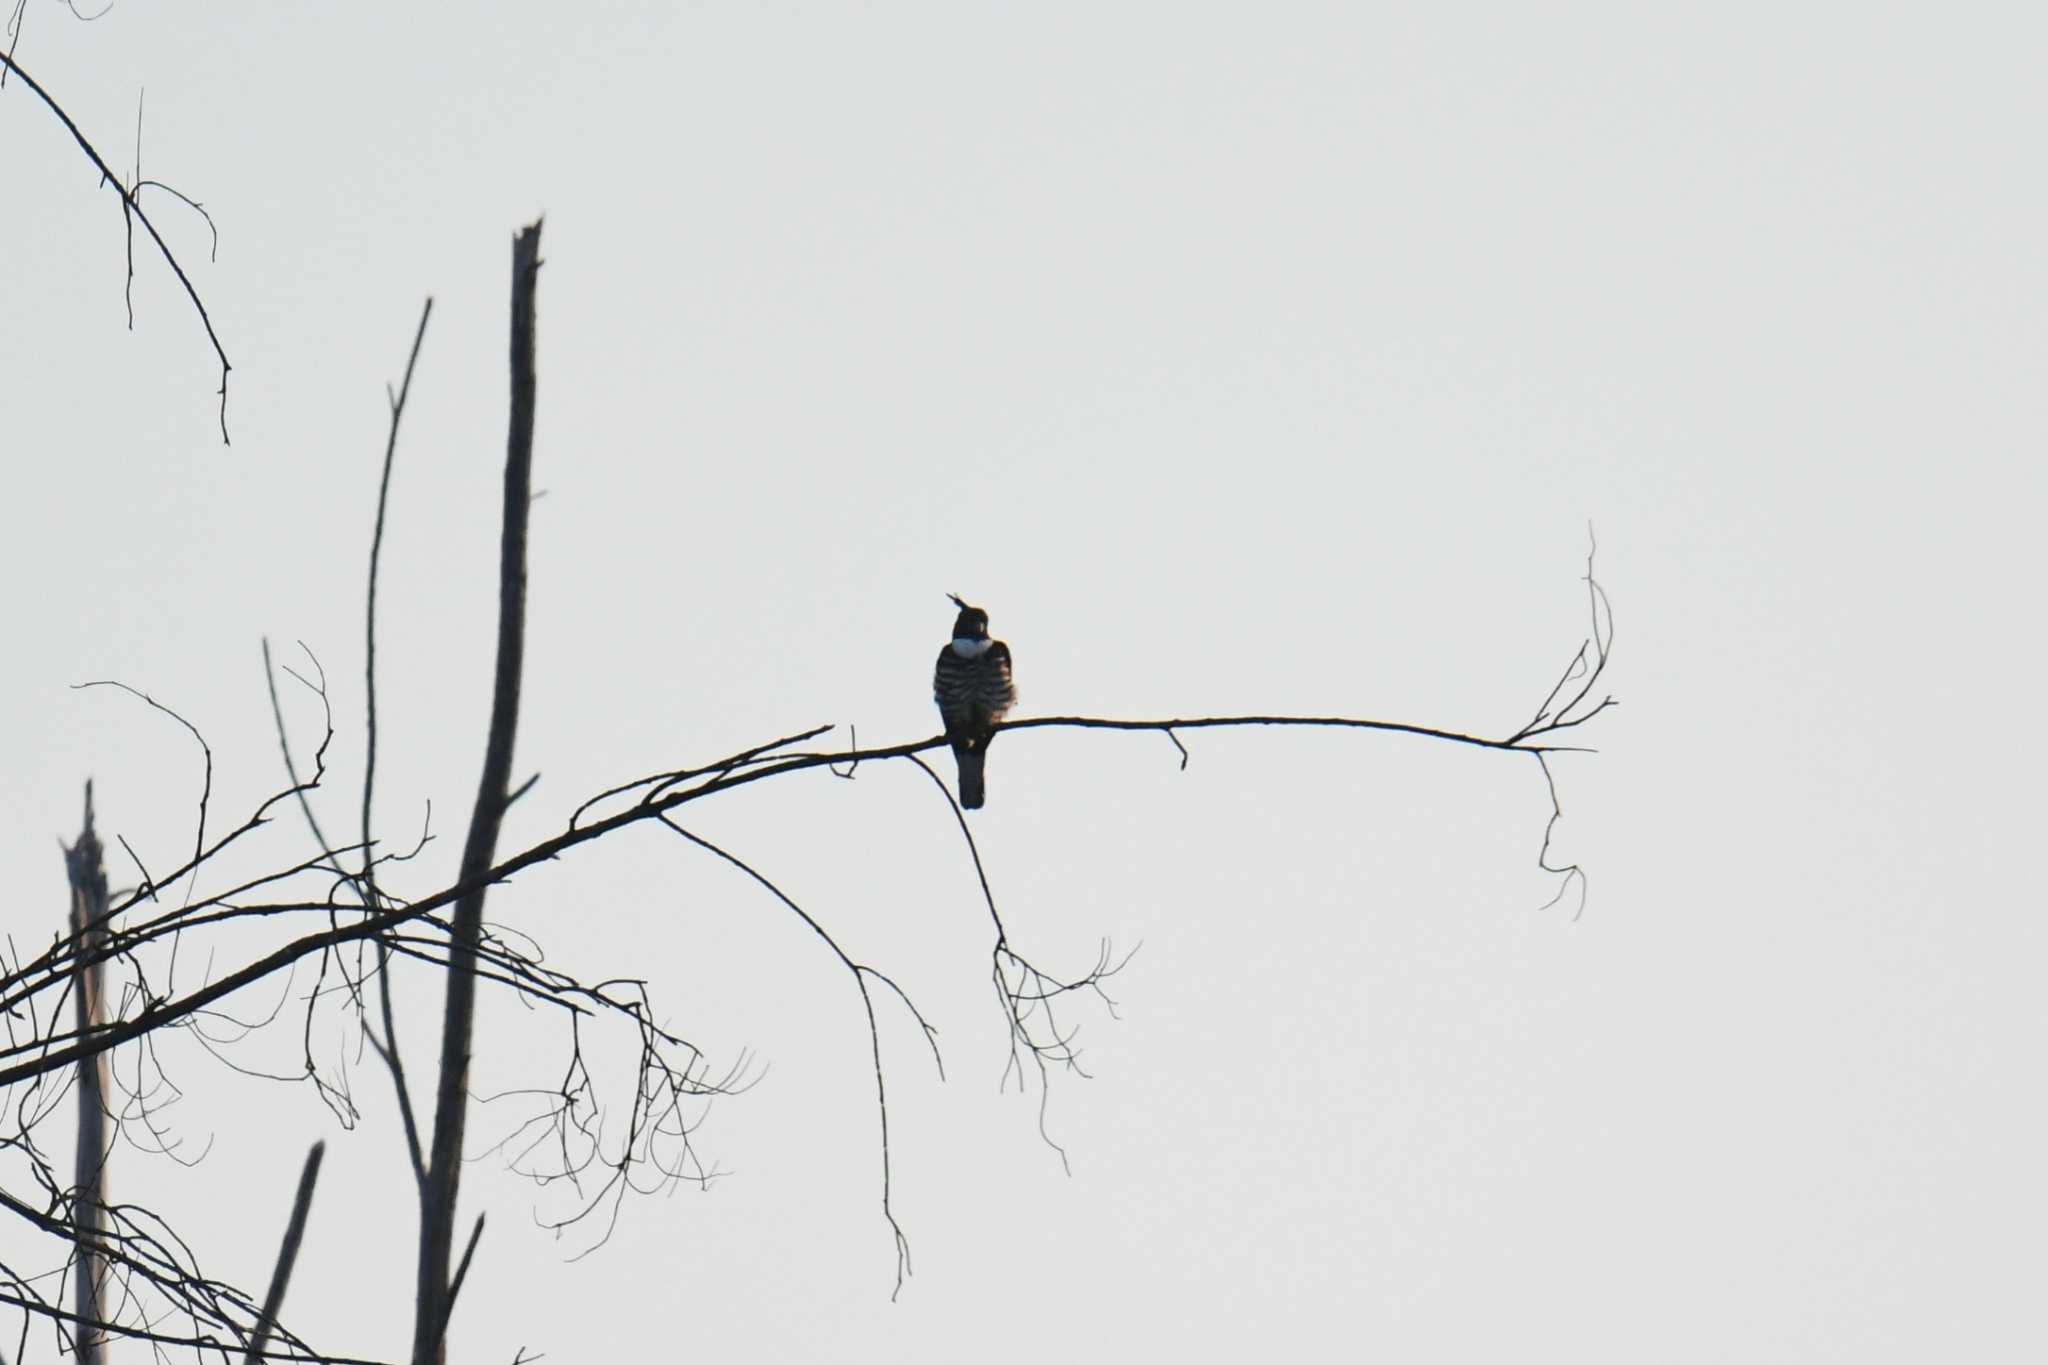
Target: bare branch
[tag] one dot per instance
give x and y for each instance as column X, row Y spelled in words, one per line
column 568, row 1139
column 132, row 211
column 287, row 1255
column 387, row 1049
column 370, row 597
column 860, row 974
column 88, row 917
column 205, row 749
column 461, row 1273
column 725, row 776
column 444, row 1165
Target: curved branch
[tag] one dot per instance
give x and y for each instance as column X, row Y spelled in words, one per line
column 860, row 974
column 164, row 1012
column 132, row 211
column 667, row 792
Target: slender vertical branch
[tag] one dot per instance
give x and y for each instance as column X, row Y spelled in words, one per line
column 370, row 598
column 388, row 1049
column 287, row 1255
column 444, row 1167
column 88, row 876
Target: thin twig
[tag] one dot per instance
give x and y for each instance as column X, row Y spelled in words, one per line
column 397, row 402
column 874, row 1030
column 388, row 1049
column 205, row 749
column 131, row 207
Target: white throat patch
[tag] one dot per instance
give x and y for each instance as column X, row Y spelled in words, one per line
column 968, row 648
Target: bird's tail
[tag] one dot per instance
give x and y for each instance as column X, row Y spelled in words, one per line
column 971, row 759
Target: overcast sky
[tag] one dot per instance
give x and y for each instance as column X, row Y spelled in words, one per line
column 1262, row 358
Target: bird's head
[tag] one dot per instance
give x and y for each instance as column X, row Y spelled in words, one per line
column 971, row 623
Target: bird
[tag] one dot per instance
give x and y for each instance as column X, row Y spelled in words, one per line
column 972, row 687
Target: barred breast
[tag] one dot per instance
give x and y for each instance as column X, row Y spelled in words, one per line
column 973, row 693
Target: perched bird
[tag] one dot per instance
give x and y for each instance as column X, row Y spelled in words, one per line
column 973, row 689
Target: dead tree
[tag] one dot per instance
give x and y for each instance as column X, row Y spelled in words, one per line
column 88, row 927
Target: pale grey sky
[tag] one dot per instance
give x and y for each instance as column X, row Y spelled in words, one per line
column 1235, row 359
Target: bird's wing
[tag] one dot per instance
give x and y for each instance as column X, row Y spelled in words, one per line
column 998, row 661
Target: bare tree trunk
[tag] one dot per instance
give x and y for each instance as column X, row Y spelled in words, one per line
column 436, row 1291
column 88, row 929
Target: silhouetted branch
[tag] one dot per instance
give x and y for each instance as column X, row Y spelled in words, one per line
column 198, row 1342
column 1393, row 727
column 566, row 1140
column 397, row 401
column 88, row 877
column 149, row 1277
column 14, row 26
column 461, row 1273
column 387, row 1049
column 131, row 212
column 444, row 1164
column 205, row 749
column 860, row 974
column 724, row 776
column 1024, row 992
column 287, row 1255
